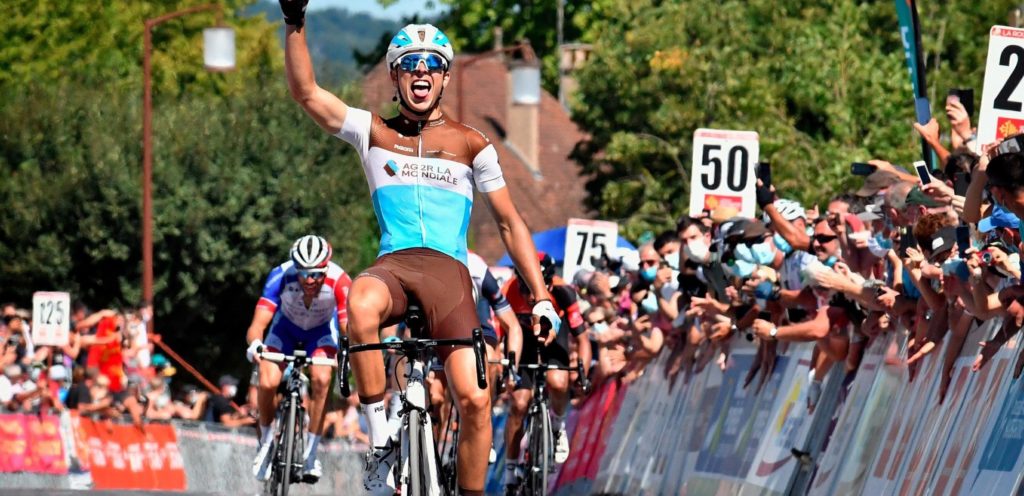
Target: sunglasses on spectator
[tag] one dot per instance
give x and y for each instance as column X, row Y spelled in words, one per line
column 433, row 62
column 649, row 263
column 305, row 274
column 824, row 238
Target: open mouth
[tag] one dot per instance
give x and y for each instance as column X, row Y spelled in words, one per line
column 420, row 89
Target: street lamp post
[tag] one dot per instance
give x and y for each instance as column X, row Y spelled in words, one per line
column 218, row 54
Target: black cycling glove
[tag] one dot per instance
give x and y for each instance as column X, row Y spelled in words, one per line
column 294, row 11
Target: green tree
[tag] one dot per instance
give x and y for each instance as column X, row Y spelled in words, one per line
column 823, row 85
column 235, row 181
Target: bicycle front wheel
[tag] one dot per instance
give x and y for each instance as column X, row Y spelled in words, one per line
column 289, row 449
column 417, row 487
column 539, row 454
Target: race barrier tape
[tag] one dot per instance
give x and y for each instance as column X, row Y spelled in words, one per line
column 872, row 432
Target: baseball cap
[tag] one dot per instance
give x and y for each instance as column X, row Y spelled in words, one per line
column 942, row 241
column 871, row 212
column 917, row 197
column 877, row 181
column 227, row 380
column 740, row 228
column 1000, row 218
column 58, row 373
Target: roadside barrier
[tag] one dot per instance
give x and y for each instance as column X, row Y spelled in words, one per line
column 72, row 452
column 872, row 432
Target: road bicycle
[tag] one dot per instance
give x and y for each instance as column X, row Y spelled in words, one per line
column 417, row 467
column 538, row 459
column 289, row 440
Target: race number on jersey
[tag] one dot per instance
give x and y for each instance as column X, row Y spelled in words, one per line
column 723, row 172
column 585, row 241
column 51, row 314
column 1002, row 102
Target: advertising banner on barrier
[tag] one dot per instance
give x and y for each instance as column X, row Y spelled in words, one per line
column 31, row 443
column 125, row 456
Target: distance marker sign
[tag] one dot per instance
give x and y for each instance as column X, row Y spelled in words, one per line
column 724, row 171
column 1002, row 99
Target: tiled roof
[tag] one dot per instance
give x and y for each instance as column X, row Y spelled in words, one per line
column 545, row 201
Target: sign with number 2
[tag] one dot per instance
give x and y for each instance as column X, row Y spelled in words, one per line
column 1002, row 104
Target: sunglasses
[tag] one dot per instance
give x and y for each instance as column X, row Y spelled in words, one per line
column 824, row 238
column 433, row 62
column 648, row 263
column 305, row 274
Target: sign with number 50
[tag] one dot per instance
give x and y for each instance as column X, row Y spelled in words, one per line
column 724, row 169
column 1002, row 105
column 51, row 318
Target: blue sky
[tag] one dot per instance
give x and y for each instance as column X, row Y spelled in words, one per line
column 396, row 11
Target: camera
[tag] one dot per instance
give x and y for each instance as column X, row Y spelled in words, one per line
column 1013, row 144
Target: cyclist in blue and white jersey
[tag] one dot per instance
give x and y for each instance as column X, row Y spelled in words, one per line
column 304, row 304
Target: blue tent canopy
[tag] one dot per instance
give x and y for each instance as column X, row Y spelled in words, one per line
column 552, row 242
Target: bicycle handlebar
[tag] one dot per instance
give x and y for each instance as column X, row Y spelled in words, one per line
column 510, row 368
column 411, row 346
column 276, row 357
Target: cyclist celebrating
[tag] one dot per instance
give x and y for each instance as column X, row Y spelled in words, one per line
column 303, row 302
column 553, row 348
column 421, row 167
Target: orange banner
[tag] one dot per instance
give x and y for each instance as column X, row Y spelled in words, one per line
column 124, row 456
column 31, row 443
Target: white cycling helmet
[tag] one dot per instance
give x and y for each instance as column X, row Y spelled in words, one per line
column 312, row 253
column 788, row 209
column 420, row 38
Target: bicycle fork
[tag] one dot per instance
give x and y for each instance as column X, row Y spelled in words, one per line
column 415, row 398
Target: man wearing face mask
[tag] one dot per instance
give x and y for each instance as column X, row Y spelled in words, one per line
column 220, row 405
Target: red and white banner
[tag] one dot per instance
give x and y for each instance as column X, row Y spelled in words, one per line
column 31, row 443
column 125, row 456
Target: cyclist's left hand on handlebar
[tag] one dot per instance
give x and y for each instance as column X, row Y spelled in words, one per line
column 546, row 318
column 253, row 352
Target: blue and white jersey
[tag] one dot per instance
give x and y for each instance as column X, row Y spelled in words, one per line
column 282, row 294
column 421, row 178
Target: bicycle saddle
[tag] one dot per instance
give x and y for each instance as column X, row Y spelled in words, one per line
column 415, row 320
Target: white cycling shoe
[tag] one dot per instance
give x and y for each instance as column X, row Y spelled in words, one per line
column 261, row 464
column 312, row 472
column 561, row 446
column 378, row 478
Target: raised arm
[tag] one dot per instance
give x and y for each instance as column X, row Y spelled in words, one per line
column 327, row 110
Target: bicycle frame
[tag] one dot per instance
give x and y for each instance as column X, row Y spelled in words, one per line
column 287, row 458
column 418, row 463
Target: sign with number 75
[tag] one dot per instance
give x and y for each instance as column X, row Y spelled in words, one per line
column 585, row 241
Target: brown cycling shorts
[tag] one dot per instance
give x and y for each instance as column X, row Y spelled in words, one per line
column 439, row 283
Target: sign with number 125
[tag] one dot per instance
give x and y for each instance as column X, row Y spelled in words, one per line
column 1002, row 104
column 723, row 173
column 51, row 318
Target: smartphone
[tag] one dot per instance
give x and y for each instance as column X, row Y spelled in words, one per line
column 764, row 173
column 961, row 182
column 1013, row 144
column 963, row 239
column 862, row 169
column 764, row 316
column 963, row 95
column 922, row 172
column 922, row 110
column 907, row 240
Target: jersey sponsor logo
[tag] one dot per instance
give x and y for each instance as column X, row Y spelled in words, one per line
column 438, row 173
column 391, row 168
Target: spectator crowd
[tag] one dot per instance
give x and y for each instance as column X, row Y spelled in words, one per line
column 109, row 369
column 930, row 255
